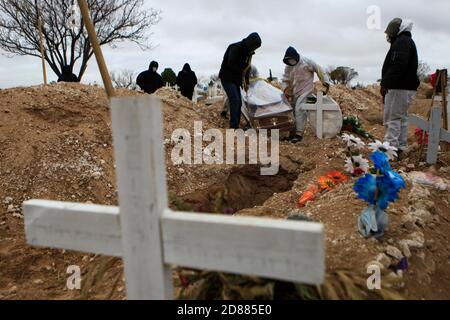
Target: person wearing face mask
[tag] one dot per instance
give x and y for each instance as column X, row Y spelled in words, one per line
column 298, row 84
column 235, row 71
column 400, row 81
column 150, row 81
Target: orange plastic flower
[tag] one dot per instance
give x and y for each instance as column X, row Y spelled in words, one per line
column 308, row 196
column 326, row 183
column 338, row 177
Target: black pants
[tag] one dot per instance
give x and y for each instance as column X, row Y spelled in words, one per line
column 234, row 96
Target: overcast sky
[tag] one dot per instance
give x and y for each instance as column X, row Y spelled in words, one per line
column 329, row 32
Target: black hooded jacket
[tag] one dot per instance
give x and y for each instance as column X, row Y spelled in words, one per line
column 291, row 53
column 67, row 75
column 401, row 64
column 150, row 81
column 237, row 58
column 187, row 80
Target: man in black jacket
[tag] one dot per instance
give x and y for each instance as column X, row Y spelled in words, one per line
column 234, row 73
column 150, row 81
column 67, row 75
column 400, row 81
column 187, row 80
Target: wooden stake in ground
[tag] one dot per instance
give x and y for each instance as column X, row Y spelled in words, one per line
column 96, row 47
column 444, row 80
column 41, row 43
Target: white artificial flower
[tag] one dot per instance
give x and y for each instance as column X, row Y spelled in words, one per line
column 386, row 148
column 353, row 141
column 357, row 165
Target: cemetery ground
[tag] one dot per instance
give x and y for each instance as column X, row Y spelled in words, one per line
column 56, row 144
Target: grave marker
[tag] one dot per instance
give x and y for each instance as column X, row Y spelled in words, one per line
column 150, row 237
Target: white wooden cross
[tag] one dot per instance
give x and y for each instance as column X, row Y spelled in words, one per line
column 320, row 107
column 151, row 238
column 435, row 131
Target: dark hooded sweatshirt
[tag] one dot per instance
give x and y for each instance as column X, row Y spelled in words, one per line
column 150, row 81
column 291, row 53
column 67, row 75
column 401, row 64
column 237, row 58
column 187, row 80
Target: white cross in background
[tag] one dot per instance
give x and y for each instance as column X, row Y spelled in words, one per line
column 151, row 238
column 435, row 131
column 320, row 107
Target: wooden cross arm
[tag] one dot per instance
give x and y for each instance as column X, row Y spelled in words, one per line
column 276, row 249
column 78, row 227
column 424, row 125
column 445, row 135
column 419, row 122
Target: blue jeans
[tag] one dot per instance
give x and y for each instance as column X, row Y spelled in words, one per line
column 233, row 92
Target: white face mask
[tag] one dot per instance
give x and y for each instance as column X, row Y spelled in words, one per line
column 292, row 62
column 155, row 69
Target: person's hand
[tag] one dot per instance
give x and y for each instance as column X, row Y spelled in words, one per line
column 384, row 91
column 288, row 94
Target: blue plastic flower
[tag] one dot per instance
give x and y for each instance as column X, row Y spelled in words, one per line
column 381, row 162
column 366, row 188
column 397, row 180
column 389, row 186
column 386, row 196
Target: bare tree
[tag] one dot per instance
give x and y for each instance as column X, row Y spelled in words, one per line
column 423, row 71
column 65, row 38
column 124, row 79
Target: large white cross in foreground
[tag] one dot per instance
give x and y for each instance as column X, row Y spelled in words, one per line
column 150, row 237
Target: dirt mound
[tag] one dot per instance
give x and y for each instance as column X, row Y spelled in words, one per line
column 56, row 144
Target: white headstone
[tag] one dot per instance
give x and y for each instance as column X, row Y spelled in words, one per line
column 325, row 116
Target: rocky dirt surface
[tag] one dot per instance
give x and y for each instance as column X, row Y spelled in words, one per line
column 56, row 144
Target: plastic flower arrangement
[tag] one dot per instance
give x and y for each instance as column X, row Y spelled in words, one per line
column 379, row 188
column 422, row 137
column 324, row 184
column 385, row 148
column 355, row 164
column 353, row 125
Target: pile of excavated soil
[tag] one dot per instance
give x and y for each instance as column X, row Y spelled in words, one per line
column 56, row 144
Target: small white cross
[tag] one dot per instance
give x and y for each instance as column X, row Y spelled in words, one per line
column 435, row 131
column 320, row 107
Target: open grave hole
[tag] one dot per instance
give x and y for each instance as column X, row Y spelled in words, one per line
column 244, row 188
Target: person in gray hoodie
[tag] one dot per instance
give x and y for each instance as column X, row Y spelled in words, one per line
column 400, row 81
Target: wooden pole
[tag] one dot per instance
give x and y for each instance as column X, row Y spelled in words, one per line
column 96, row 47
column 41, row 43
column 444, row 80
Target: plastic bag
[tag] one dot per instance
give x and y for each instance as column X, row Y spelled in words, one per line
column 373, row 222
column 429, row 179
column 263, row 99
